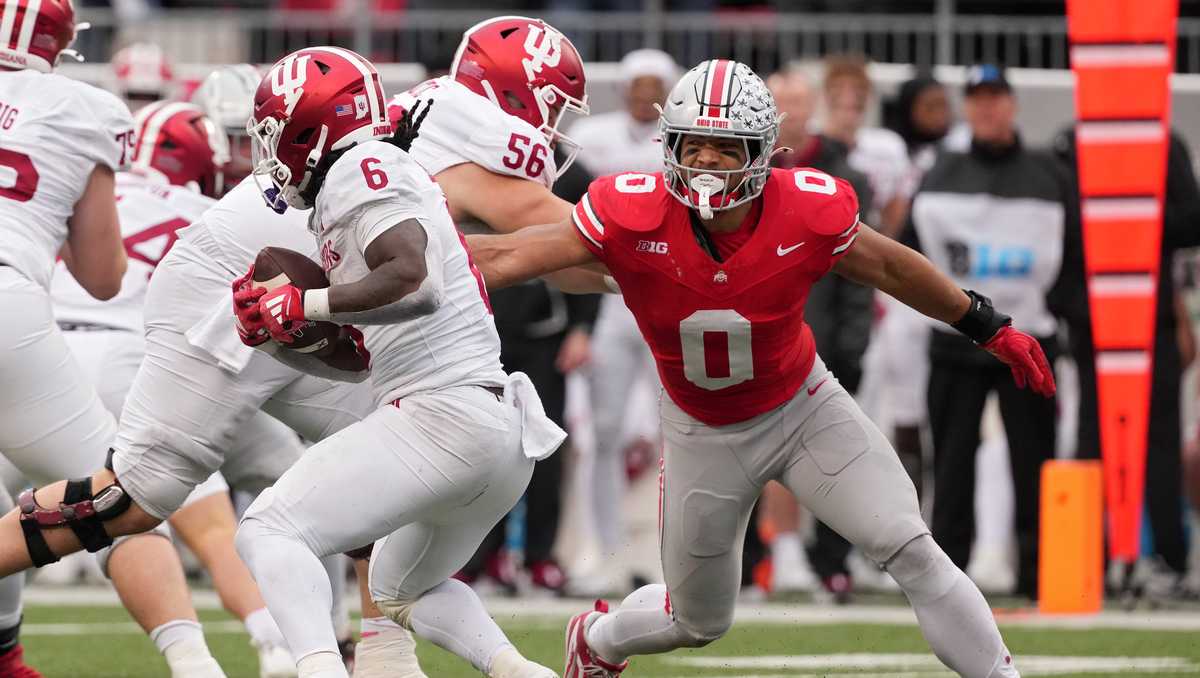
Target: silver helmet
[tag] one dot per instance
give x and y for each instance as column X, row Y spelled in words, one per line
column 719, row 98
column 227, row 98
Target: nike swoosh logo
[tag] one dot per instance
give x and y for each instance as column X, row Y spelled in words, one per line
column 812, row 391
column 781, row 250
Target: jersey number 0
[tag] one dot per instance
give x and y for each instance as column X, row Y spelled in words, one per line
column 703, row 336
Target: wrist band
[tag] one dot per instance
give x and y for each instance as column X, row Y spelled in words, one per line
column 982, row 321
column 316, row 304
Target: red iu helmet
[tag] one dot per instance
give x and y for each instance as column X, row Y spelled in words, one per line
column 313, row 101
column 176, row 142
column 529, row 70
column 34, row 33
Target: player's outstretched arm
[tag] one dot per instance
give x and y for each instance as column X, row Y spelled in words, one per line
column 94, row 252
column 529, row 253
column 883, row 263
column 508, row 204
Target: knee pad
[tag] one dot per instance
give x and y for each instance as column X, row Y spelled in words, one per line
column 80, row 510
column 104, row 554
column 399, row 611
column 923, row 570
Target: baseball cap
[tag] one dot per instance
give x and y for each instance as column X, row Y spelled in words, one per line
column 986, row 76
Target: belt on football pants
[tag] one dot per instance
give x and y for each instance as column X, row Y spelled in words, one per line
column 497, row 391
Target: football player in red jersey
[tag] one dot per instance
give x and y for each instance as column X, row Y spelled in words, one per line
column 715, row 256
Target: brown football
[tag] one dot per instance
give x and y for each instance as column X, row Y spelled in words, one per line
column 277, row 266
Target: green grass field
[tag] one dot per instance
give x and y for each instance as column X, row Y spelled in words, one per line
column 101, row 642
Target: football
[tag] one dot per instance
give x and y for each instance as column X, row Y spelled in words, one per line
column 277, row 266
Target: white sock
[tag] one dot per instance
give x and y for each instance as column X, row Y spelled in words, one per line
column 263, row 630
column 181, row 643
column 386, row 649
column 954, row 617
column 507, row 663
column 787, row 551
column 640, row 625
column 321, row 665
column 177, row 631
column 452, row 617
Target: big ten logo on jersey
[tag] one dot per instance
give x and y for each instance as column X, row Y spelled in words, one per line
column 8, row 115
column 989, row 261
column 287, row 79
column 652, row 246
column 544, row 47
column 329, row 258
column 150, row 245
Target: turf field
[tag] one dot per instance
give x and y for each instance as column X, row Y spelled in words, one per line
column 100, row 641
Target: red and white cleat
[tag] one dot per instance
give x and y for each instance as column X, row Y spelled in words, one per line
column 12, row 665
column 582, row 662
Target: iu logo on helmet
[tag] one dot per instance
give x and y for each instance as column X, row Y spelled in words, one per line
column 287, row 79
column 544, row 47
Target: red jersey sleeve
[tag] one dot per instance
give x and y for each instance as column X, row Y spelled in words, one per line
column 830, row 208
column 588, row 225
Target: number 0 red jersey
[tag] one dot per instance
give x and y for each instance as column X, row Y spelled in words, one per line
column 729, row 337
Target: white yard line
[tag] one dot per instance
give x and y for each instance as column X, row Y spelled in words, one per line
column 545, row 611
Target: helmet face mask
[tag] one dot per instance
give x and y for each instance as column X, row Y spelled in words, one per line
column 722, row 99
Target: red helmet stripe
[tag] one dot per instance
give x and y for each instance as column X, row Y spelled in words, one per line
column 27, row 23
column 150, row 121
column 717, row 86
column 7, row 34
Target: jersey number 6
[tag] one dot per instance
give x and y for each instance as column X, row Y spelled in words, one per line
column 716, row 349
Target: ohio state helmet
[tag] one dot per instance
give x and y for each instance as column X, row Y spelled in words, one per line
column 35, row 33
column 529, row 70
column 227, row 97
column 178, row 143
column 311, row 102
column 143, row 72
column 719, row 98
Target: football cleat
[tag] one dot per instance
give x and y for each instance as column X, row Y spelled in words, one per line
column 12, row 664
column 582, row 662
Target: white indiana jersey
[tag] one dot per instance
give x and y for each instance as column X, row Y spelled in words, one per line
column 151, row 212
column 54, row 131
column 613, row 143
column 233, row 230
column 370, row 189
column 463, row 127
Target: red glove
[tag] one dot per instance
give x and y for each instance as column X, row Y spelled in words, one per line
column 245, row 308
column 1024, row 356
column 282, row 310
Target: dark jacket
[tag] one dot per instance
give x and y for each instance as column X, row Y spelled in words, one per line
column 1001, row 221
